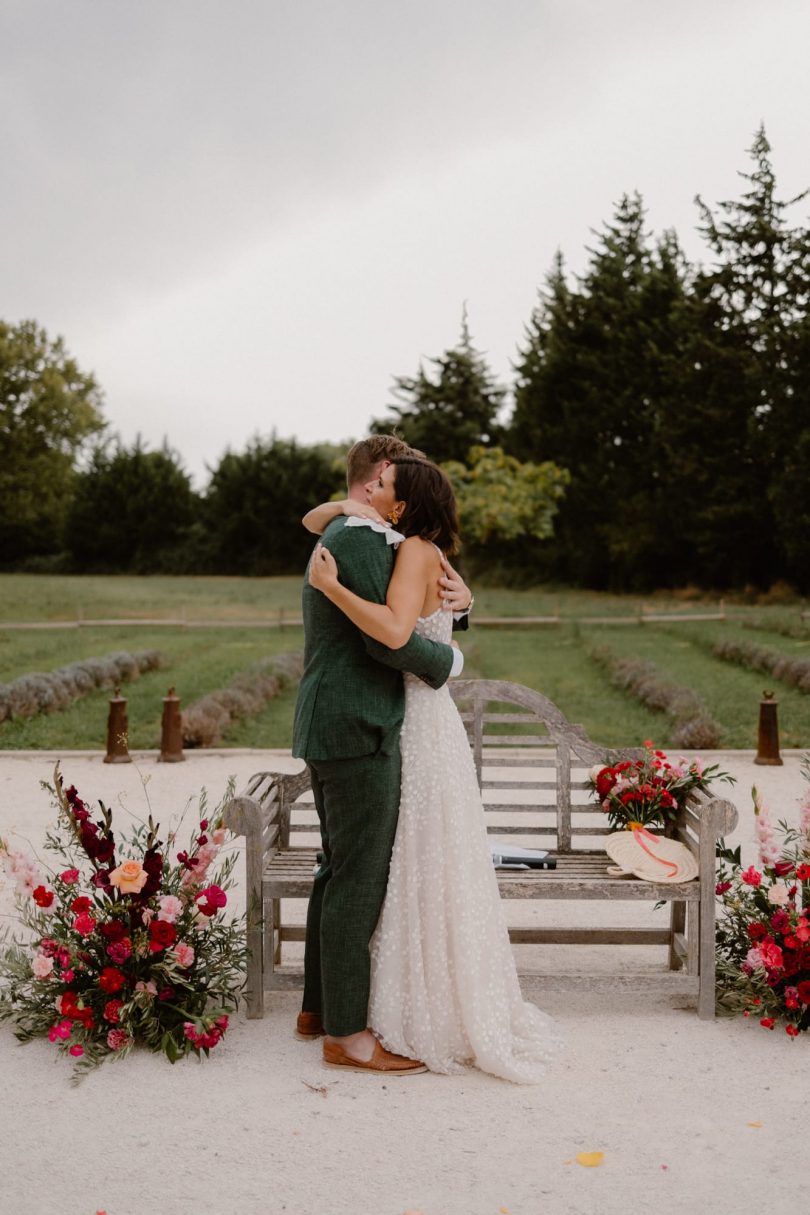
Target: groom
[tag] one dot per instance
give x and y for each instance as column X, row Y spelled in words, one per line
column 348, row 716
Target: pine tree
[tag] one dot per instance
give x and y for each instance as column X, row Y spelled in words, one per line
column 451, row 411
column 753, row 305
column 590, row 395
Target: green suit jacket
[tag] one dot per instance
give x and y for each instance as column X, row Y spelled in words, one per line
column 351, row 699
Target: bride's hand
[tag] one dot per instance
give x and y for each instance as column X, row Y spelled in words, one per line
column 323, row 572
column 362, row 510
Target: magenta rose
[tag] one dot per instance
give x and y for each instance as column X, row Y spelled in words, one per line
column 70, row 876
column 752, row 876
column 119, row 951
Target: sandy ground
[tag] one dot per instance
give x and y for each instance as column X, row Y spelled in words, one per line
column 691, row 1116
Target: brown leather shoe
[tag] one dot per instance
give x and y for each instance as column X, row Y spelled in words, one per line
column 309, row 1026
column 382, row 1061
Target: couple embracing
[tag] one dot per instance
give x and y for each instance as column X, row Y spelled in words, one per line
column 408, row 965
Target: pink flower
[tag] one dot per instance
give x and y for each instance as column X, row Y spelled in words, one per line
column 69, row 877
column 150, row 988
column 219, row 835
column 184, row 954
column 61, row 1030
column 753, row 959
column 42, row 966
column 147, row 915
column 752, row 876
column 117, row 1039
column 778, row 894
column 170, row 908
column 68, row 976
column 76, row 1050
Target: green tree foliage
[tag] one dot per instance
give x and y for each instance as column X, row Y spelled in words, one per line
column 256, row 499
column 450, row 411
column 49, row 410
column 595, row 381
column 501, row 499
column 132, row 510
column 751, row 380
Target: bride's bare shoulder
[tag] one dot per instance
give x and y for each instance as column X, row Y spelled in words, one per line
column 419, row 550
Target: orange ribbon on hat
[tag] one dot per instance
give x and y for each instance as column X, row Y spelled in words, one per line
column 639, row 831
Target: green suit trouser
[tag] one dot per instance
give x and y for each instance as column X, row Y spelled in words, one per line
column 358, row 804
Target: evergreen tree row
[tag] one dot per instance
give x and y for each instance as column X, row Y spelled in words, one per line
column 659, row 435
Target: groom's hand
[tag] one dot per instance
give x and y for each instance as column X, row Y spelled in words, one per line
column 456, row 595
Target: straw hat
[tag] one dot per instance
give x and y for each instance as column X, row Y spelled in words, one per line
column 651, row 857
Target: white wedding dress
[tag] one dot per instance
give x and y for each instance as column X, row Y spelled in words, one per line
column 444, row 986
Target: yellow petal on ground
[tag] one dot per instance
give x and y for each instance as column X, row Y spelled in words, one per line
column 590, row 1160
column 753, row 1124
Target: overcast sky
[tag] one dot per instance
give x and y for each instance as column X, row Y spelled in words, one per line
column 251, row 214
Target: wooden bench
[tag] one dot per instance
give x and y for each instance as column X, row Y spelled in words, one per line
column 532, row 768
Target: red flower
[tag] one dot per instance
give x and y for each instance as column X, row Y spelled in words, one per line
column 80, row 903
column 771, row 954
column 111, row 1010
column 162, row 934
column 780, row 921
column 722, row 887
column 751, row 876
column 113, row 930
column 803, row 873
column 111, row 980
column 42, row 897
column 69, row 876
column 792, row 1031
column 783, row 868
column 757, row 931
column 84, row 924
column 767, row 1022
column 803, row 989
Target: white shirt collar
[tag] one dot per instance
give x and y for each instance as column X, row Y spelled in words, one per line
column 391, row 537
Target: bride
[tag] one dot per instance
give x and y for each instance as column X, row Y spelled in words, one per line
column 444, row 987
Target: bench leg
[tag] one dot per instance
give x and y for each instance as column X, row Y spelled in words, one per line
column 255, row 962
column 677, row 923
column 276, row 927
column 708, row 946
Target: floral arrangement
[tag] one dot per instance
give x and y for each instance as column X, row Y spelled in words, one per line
column 121, row 945
column 763, row 933
column 649, row 791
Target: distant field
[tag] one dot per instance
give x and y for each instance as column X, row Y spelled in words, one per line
column 551, row 658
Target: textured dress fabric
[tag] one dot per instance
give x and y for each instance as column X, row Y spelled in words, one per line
column 444, row 986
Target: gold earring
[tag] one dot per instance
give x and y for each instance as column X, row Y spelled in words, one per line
column 393, row 517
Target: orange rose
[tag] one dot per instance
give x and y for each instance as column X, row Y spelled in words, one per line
column 130, row 877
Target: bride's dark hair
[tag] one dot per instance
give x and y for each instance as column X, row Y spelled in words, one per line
column 430, row 510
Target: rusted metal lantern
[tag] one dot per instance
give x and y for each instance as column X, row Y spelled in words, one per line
column 768, row 736
column 117, row 731
column 171, row 731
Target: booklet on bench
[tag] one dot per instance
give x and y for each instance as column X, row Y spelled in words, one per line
column 509, row 856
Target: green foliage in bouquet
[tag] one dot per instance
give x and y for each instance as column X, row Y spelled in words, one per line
column 763, row 932
column 120, row 944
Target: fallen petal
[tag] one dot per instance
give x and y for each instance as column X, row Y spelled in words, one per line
column 590, row 1160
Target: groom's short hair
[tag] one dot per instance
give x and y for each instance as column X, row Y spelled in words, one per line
column 364, row 456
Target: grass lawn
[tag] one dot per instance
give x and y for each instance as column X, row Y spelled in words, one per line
column 551, row 658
